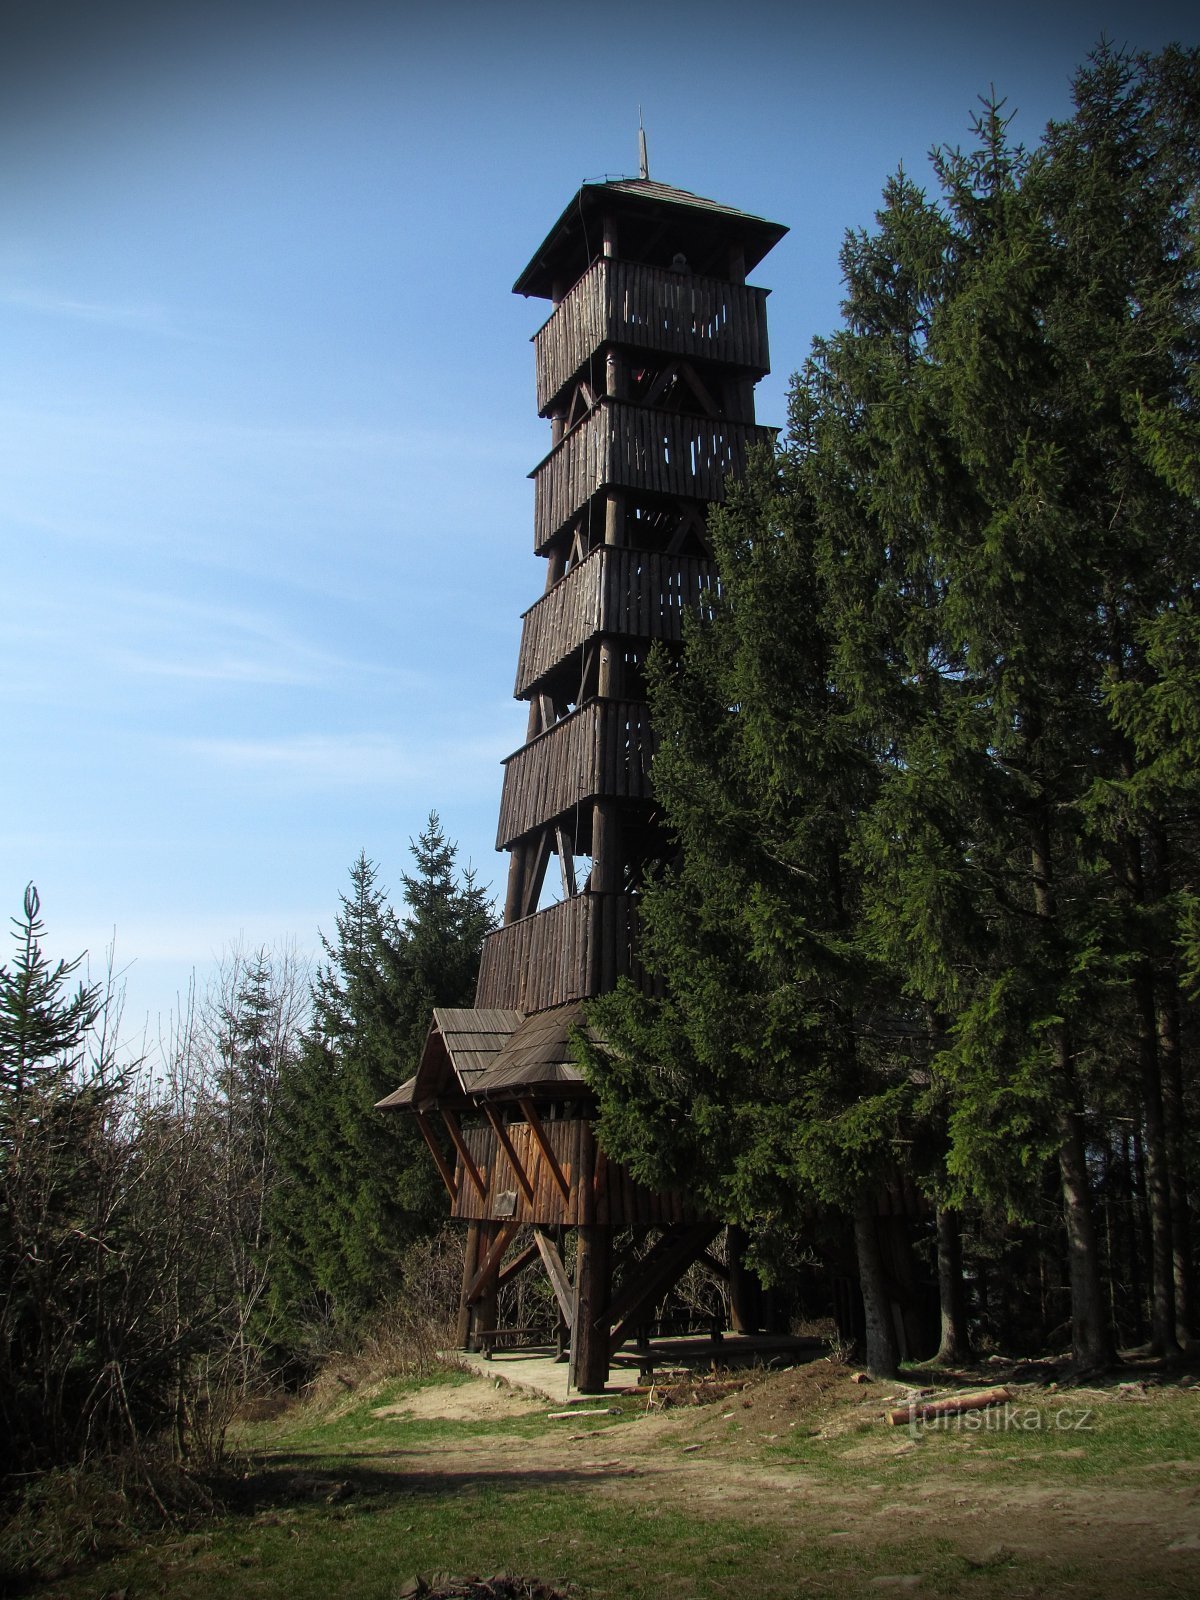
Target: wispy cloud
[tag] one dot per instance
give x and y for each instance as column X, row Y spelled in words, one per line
column 145, row 318
column 139, row 634
column 362, row 760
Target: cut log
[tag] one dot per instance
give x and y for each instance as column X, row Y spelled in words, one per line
column 923, row 1410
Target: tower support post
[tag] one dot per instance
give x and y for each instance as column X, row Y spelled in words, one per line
column 462, row 1332
column 589, row 1341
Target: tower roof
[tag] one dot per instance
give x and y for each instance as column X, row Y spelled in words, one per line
column 657, row 222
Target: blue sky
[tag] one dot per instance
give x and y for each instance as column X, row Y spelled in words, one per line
column 266, row 401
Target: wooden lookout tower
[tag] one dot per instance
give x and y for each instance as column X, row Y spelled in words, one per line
column 646, row 370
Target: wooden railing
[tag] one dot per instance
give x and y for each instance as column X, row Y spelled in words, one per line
column 604, row 748
column 670, row 313
column 569, row 951
column 637, row 593
column 627, row 447
column 598, row 1190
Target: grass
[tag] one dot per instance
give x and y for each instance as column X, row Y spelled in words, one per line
column 339, row 1502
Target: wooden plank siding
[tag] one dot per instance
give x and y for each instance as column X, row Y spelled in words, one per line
column 602, row 750
column 621, row 446
column 596, row 1187
column 638, row 593
column 570, row 951
column 648, row 308
column 540, row 961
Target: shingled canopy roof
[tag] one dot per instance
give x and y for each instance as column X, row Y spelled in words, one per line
column 462, row 1044
column 656, row 222
column 536, row 1055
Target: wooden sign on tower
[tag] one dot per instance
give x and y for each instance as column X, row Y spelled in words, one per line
column 646, row 371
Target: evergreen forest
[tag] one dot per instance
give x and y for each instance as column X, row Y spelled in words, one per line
column 931, row 931
column 172, row 1239
column 931, row 925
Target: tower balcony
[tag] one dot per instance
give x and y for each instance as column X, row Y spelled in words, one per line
column 601, row 751
column 621, row 446
column 647, row 308
column 639, row 594
column 570, row 951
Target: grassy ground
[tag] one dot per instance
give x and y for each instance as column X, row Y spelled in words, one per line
column 791, row 1486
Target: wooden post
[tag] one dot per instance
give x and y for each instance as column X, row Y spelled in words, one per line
column 556, row 564
column 484, row 1311
column 589, row 1333
column 614, row 518
column 462, row 1335
column 606, row 863
column 608, row 671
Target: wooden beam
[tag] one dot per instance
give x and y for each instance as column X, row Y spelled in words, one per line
column 688, row 372
column 536, row 873
column 657, row 1277
column 557, row 1274
column 470, row 1262
column 482, row 1282
column 464, row 1155
column 566, row 863
column 654, row 392
column 589, row 1332
column 514, row 1161
column 518, row 1264
column 482, row 1309
column 719, row 1267
column 440, row 1161
column 543, row 1144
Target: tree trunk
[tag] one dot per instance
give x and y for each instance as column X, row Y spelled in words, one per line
column 744, row 1296
column 955, row 1343
column 1158, row 1189
column 882, row 1353
column 1174, row 1114
column 1090, row 1336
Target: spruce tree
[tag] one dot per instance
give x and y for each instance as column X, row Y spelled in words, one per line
column 357, row 1187
column 934, row 767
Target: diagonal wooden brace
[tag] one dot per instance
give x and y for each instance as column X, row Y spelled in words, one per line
column 557, row 1274
column 464, row 1155
column 509, row 1149
column 663, row 1267
column 440, row 1161
column 490, row 1268
column 543, row 1144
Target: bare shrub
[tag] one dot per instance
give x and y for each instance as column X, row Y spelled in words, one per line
column 405, row 1338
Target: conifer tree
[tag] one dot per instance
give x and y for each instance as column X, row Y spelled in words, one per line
column 357, row 1187
column 930, row 762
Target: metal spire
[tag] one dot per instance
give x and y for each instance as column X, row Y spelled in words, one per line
column 643, row 158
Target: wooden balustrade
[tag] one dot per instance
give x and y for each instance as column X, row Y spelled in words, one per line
column 641, row 594
column 603, row 749
column 622, row 446
column 651, row 309
column 598, row 1190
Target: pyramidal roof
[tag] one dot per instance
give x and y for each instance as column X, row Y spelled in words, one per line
column 656, row 221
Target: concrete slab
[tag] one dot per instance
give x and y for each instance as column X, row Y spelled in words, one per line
column 535, row 1368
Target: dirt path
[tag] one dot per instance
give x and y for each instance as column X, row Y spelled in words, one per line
column 709, row 1460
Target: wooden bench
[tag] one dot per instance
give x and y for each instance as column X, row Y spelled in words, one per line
column 487, row 1341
